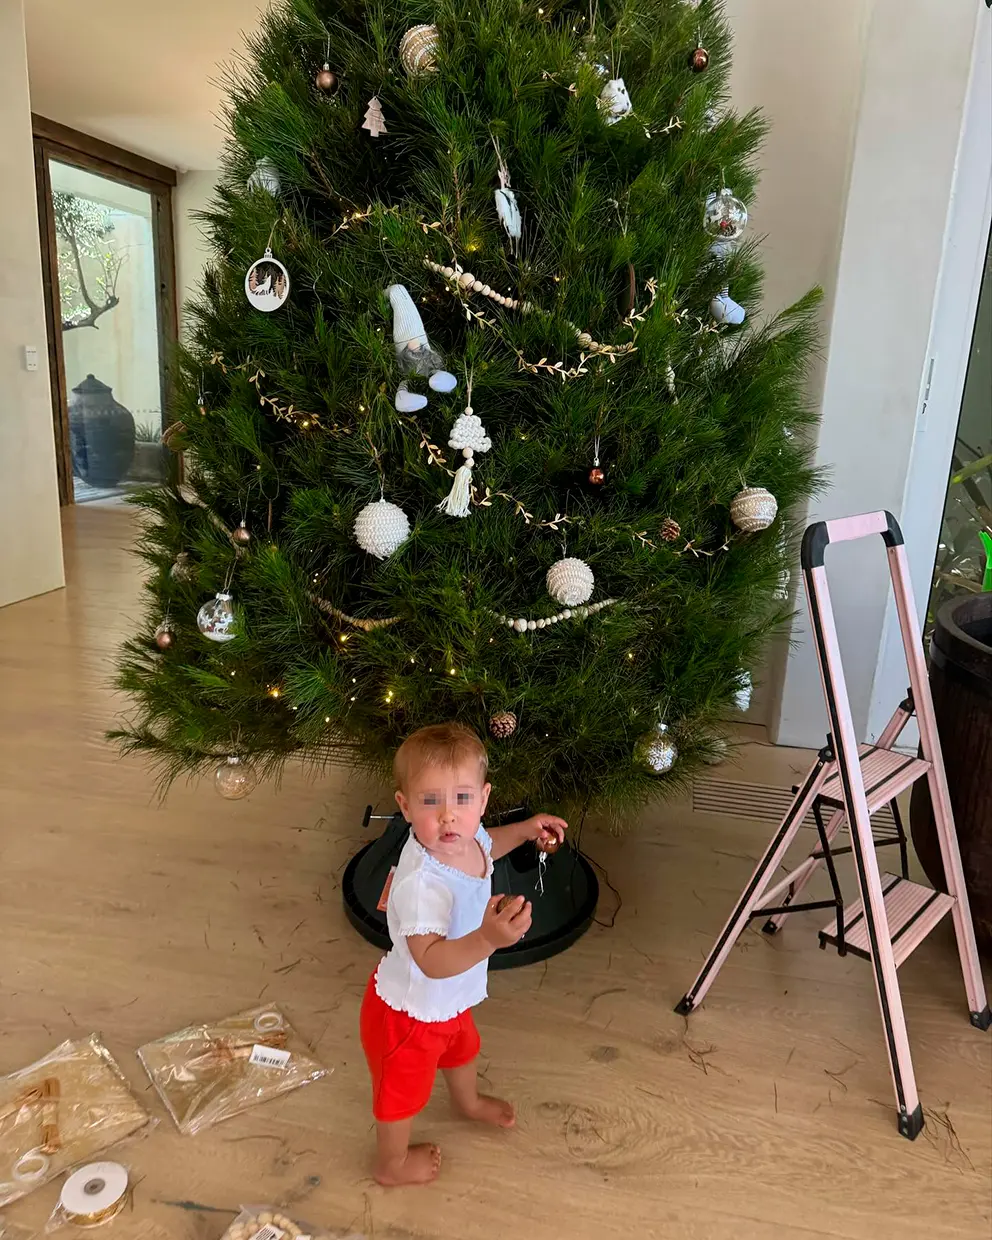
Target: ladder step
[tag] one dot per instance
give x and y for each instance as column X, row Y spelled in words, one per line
column 885, row 774
column 911, row 910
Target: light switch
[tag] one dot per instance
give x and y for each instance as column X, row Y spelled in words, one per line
column 30, row 357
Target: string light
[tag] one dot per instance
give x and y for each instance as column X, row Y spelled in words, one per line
column 354, row 699
column 630, row 654
column 452, row 671
column 274, row 691
column 327, row 718
column 412, row 659
column 343, row 637
column 389, row 696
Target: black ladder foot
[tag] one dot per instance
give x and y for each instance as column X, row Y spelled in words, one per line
column 982, row 1020
column 769, row 927
column 910, row 1126
column 684, row 1006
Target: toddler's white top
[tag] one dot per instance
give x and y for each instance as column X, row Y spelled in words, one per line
column 429, row 897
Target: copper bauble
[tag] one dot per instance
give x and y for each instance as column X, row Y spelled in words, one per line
column 326, row 79
column 597, row 476
column 699, row 58
column 164, row 637
column 548, row 844
column 241, row 536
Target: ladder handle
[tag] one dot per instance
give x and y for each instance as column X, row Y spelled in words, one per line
column 844, row 529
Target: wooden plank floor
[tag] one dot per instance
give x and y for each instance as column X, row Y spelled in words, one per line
column 767, row 1115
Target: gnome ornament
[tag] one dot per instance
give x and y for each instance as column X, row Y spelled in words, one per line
column 414, row 353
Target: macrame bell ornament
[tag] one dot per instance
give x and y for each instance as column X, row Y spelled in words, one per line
column 381, row 528
column 414, row 354
column 570, row 581
column 468, row 436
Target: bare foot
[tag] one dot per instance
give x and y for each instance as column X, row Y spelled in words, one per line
column 491, row 1111
column 420, row 1166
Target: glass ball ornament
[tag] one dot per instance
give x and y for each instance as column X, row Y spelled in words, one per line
column 699, row 59
column 182, row 570
column 164, row 636
column 597, row 476
column 215, row 619
column 234, row 779
column 326, row 79
column 724, row 216
column 657, row 750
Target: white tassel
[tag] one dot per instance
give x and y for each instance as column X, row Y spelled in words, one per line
column 457, row 503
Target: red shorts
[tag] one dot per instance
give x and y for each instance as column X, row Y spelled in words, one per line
column 404, row 1054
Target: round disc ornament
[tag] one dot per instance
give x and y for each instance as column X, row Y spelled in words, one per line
column 267, row 283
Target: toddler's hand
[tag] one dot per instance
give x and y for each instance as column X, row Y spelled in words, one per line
column 506, row 928
column 545, row 826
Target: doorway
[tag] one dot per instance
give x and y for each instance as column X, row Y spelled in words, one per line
column 109, row 273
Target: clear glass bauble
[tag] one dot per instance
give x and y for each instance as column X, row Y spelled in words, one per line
column 234, row 779
column 657, row 750
column 724, row 216
column 215, row 619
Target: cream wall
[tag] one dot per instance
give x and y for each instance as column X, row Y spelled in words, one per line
column 31, row 545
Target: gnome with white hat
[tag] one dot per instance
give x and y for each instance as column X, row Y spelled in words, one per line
column 414, row 353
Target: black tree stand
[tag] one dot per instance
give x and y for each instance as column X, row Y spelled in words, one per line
column 560, row 916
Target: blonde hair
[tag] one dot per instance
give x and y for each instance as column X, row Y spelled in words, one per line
column 439, row 745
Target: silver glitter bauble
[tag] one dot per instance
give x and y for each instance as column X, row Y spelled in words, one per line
column 265, row 177
column 657, row 750
column 215, row 619
column 381, row 528
column 418, row 50
column 717, row 752
column 753, row 509
column 234, row 779
column 724, row 216
column 570, row 581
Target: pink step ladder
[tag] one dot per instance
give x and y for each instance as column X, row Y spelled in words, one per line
column 893, row 915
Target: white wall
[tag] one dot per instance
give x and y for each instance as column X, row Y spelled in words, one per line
column 31, row 545
column 916, row 75
column 802, row 63
column 193, row 193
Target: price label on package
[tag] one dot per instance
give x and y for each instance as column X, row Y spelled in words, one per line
column 268, row 1232
column 268, row 1057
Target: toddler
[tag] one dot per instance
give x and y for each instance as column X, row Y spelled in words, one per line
column 444, row 925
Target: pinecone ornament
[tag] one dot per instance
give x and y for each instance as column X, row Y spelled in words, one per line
column 670, row 530
column 503, row 725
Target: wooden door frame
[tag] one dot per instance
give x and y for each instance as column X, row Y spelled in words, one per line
column 69, row 146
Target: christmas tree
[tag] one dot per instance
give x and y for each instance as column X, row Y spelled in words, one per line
column 473, row 425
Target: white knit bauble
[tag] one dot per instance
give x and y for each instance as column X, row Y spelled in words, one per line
column 570, row 581
column 753, row 509
column 418, row 49
column 381, row 528
column 742, row 695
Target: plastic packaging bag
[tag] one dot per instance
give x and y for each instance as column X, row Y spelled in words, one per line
column 60, row 1111
column 13, row 1231
column 207, row 1073
column 271, row 1223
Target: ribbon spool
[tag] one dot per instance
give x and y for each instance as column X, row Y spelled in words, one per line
column 268, row 1022
column 31, row 1167
column 94, row 1194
